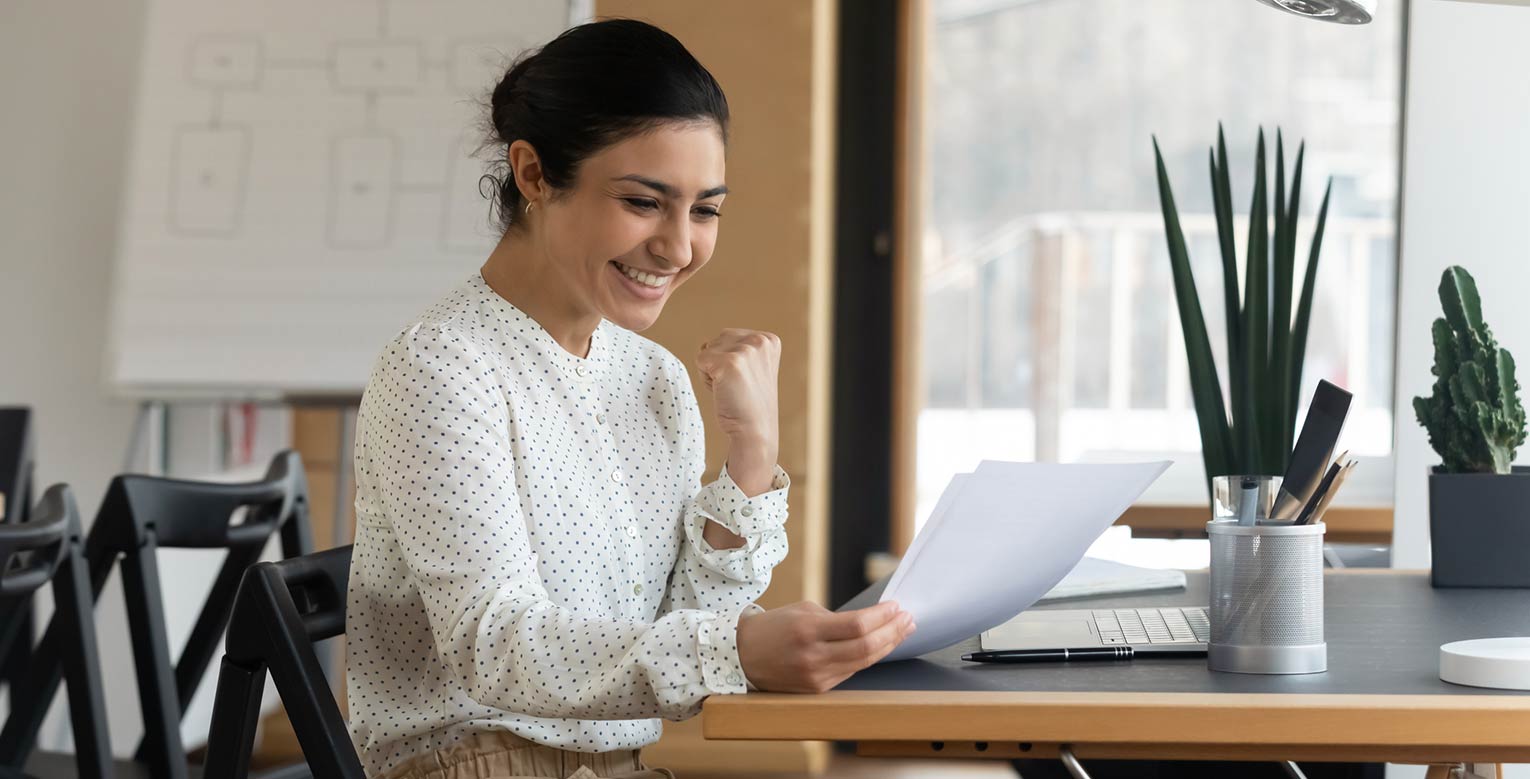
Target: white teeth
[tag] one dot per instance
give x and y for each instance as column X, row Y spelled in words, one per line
column 646, row 279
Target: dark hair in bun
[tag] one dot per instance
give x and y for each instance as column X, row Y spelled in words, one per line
column 593, row 86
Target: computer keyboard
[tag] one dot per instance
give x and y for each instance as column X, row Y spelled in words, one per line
column 1187, row 625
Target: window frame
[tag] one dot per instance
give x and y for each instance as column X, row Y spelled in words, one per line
column 901, row 142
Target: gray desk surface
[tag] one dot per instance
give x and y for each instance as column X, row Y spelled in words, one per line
column 1380, row 700
column 1383, row 631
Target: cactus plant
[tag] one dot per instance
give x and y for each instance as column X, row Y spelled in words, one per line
column 1474, row 418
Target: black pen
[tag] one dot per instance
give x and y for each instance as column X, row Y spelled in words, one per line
column 1088, row 653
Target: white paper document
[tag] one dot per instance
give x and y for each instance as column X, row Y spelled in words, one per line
column 1093, row 577
column 1001, row 537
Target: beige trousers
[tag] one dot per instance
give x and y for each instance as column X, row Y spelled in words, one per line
column 504, row 755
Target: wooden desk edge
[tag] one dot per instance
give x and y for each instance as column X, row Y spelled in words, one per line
column 1495, row 725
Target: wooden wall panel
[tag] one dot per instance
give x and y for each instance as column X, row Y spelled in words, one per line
column 772, row 270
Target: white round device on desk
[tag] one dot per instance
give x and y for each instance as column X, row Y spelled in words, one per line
column 1502, row 663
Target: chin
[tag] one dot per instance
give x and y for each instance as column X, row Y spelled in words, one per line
column 636, row 319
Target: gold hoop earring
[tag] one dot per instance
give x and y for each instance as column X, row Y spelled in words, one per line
column 529, row 204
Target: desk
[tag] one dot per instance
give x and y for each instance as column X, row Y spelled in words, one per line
column 1380, row 701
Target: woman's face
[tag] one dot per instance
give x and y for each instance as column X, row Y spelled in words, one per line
column 645, row 206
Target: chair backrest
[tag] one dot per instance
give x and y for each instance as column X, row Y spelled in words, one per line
column 17, row 464
column 31, row 552
column 281, row 610
column 141, row 514
column 49, row 548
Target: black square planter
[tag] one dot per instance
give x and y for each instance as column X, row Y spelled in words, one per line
column 1479, row 528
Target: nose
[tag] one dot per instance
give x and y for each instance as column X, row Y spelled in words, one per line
column 672, row 242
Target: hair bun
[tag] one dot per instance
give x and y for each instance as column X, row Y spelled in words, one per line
column 505, row 91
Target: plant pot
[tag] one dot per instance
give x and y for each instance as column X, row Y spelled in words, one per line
column 1479, row 528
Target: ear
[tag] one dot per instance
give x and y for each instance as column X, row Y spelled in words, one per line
column 527, row 168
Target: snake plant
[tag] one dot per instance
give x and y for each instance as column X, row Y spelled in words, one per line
column 1474, row 417
column 1265, row 345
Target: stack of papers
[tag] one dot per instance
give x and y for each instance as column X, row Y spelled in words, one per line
column 1001, row 537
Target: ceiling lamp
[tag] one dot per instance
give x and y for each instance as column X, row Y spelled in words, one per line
column 1340, row 11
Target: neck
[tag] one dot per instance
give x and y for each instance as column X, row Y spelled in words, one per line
column 520, row 271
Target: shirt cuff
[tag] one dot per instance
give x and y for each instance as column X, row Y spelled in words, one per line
column 717, row 647
column 727, row 505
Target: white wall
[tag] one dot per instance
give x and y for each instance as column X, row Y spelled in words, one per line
column 66, row 85
column 67, row 80
column 67, row 72
column 1466, row 201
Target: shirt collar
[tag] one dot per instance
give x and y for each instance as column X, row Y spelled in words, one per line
column 576, row 368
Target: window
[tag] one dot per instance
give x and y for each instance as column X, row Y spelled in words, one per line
column 1049, row 328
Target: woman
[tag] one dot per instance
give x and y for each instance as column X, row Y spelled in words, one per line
column 538, row 575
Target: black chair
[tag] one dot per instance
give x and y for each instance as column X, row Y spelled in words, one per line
column 16, row 471
column 49, row 548
column 281, row 610
column 140, row 515
column 16, row 463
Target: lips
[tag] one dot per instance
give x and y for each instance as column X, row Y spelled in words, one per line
column 655, row 280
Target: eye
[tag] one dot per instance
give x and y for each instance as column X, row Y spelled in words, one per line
column 708, row 212
column 642, row 203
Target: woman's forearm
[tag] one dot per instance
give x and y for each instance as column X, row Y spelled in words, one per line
column 752, row 464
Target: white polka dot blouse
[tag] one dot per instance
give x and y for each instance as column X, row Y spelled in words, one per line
column 529, row 553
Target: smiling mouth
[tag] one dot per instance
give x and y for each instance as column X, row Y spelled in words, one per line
column 641, row 277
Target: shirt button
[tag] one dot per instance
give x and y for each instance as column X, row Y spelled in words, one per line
column 747, row 511
column 579, row 369
column 632, row 531
column 617, row 477
column 734, row 678
column 637, row 589
column 600, row 419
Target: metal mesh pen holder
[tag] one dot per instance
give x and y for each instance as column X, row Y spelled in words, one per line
column 1267, row 598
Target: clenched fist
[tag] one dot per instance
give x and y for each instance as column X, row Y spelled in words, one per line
column 740, row 368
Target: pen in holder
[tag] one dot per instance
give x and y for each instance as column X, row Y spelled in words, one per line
column 1244, row 499
column 1266, row 598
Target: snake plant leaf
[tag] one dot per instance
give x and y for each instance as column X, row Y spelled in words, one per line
column 1290, row 274
column 1256, row 318
column 1221, row 198
column 1278, row 433
column 1206, row 389
column 1304, row 307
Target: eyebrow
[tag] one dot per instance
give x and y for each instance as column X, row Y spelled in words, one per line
column 668, row 190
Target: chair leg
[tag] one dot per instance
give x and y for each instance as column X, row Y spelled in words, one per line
column 1465, row 771
column 82, row 670
column 166, row 755
column 18, row 628
column 236, row 714
column 31, row 695
column 207, row 633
